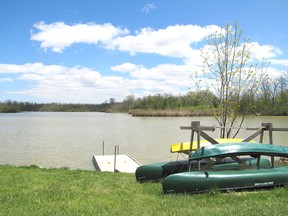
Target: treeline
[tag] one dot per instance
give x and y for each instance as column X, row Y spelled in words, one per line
column 270, row 99
column 14, row 106
column 190, row 101
column 203, row 99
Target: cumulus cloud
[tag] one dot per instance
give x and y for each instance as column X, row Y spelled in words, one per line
column 80, row 84
column 58, row 82
column 58, row 36
column 126, row 67
column 178, row 74
column 263, row 51
column 177, row 41
column 173, row 41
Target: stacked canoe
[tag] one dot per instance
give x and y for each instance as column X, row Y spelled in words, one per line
column 249, row 177
column 229, row 166
column 158, row 171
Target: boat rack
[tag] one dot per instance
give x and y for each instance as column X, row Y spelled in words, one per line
column 200, row 132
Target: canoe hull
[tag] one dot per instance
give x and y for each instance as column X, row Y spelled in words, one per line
column 158, row 171
column 237, row 149
column 204, row 181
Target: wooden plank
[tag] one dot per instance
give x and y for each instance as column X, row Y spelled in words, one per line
column 259, row 131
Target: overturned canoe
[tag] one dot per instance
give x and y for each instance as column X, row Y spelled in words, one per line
column 204, row 181
column 242, row 148
column 249, row 177
column 158, row 171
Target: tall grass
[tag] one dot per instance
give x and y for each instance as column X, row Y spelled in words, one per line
column 35, row 191
column 171, row 112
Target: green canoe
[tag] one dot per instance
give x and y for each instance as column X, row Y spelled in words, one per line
column 158, row 171
column 203, row 181
column 246, row 178
column 243, row 148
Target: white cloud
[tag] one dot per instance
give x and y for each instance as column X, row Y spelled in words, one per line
column 58, row 36
column 177, row 41
column 126, row 67
column 283, row 62
column 173, row 41
column 263, row 51
column 148, row 7
column 56, row 83
column 80, row 84
column 275, row 72
column 159, row 72
column 6, row 79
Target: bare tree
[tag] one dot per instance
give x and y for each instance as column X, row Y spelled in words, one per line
column 283, row 86
column 226, row 59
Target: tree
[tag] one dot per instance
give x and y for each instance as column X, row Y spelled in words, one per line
column 112, row 101
column 226, row 59
column 128, row 102
column 283, row 85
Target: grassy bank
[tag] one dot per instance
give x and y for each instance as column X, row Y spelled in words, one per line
column 35, row 191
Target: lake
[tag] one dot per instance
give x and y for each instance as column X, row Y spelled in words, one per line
column 71, row 139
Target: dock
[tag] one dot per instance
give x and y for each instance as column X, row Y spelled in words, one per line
column 115, row 163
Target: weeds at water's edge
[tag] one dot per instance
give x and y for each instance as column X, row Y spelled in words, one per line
column 171, row 113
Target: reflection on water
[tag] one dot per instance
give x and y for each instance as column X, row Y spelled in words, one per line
column 70, row 139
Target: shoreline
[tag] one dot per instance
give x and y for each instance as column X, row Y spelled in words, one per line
column 170, row 113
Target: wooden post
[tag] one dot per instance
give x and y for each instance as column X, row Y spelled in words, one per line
column 195, row 127
column 198, row 146
column 194, row 124
column 115, row 152
column 191, row 146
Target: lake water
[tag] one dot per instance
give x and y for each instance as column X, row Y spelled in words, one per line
column 71, row 139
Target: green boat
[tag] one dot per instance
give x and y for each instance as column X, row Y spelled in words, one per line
column 243, row 148
column 257, row 175
column 156, row 172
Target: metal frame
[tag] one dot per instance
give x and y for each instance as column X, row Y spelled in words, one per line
column 199, row 130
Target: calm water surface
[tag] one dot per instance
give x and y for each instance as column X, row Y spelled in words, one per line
column 70, row 139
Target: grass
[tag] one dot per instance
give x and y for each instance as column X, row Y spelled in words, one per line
column 35, row 191
column 172, row 112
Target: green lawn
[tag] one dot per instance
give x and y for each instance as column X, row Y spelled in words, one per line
column 35, row 191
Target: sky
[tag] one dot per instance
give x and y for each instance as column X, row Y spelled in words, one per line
column 88, row 51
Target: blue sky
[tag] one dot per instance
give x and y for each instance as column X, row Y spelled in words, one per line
column 87, row 51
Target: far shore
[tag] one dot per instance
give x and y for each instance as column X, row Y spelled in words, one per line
column 170, row 113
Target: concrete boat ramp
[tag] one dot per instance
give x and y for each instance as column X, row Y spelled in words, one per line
column 115, row 163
